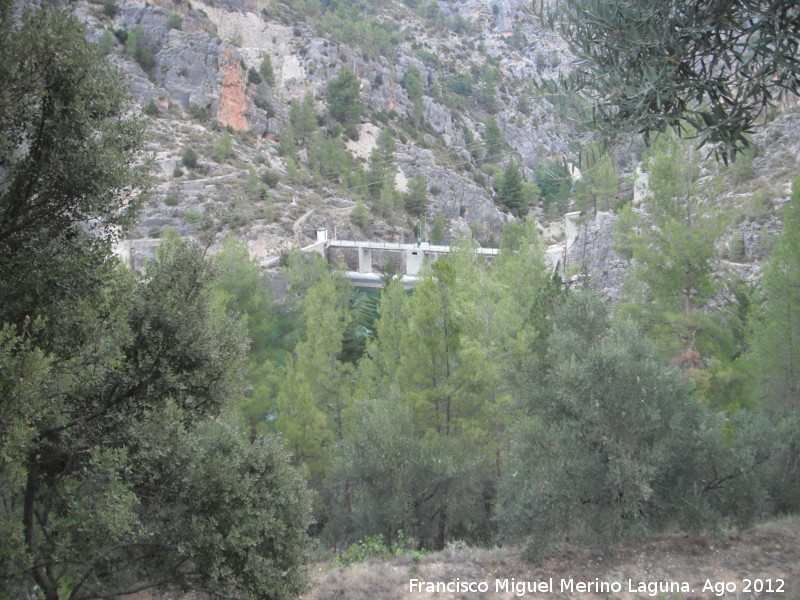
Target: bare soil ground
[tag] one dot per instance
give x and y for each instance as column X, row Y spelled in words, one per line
column 761, row 562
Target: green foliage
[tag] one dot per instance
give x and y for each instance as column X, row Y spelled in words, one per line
column 512, row 193
column 342, row 95
column 416, row 200
column 378, row 370
column 189, row 158
column 396, row 478
column 430, row 369
column 487, row 97
column 359, row 216
column 175, row 21
column 197, row 112
column 287, row 145
column 412, row 83
column 124, row 380
column 645, row 69
column 314, row 394
column 151, row 109
column 382, row 165
column 613, row 444
column 253, row 76
column 269, row 178
column 328, row 157
column 374, row 548
column 741, row 169
column 434, row 397
column 775, row 332
column 265, row 106
column 106, row 43
column 597, row 187
column 136, row 47
column 555, row 183
column 244, row 500
column 438, row 231
column 494, row 141
column 387, row 200
column 223, row 148
column 266, row 71
column 363, row 310
column 303, row 118
column 243, row 290
column 156, row 365
column 65, row 154
column 674, row 246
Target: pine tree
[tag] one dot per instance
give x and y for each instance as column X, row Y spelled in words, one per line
column 512, row 194
column 674, row 247
column 597, row 187
column 412, row 83
column 416, row 199
column 360, row 216
column 438, row 232
column 379, row 369
column 303, row 118
column 776, row 338
column 494, row 141
column 314, row 395
column 266, row 71
column 382, row 164
column 343, row 92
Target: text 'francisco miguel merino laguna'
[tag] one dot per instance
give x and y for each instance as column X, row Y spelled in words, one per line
column 545, row 586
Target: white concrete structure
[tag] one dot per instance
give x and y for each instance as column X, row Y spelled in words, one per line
column 415, row 254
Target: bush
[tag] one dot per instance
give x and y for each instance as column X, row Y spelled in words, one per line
column 265, row 106
column 223, row 148
column 359, row 216
column 151, row 109
column 189, row 158
column 265, row 70
column 197, row 112
column 193, row 217
column 143, row 54
column 172, row 200
column 174, row 21
column 637, row 447
column 253, row 76
column 269, row 178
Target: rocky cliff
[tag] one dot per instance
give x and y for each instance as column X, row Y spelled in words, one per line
column 194, row 67
column 220, row 121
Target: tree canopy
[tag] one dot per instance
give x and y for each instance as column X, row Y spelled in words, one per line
column 67, row 165
column 122, row 466
column 649, row 65
column 342, row 95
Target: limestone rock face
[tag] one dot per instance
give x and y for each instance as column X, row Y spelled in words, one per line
column 591, row 253
column 478, row 60
column 468, row 207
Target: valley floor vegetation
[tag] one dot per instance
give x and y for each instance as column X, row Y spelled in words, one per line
column 182, row 428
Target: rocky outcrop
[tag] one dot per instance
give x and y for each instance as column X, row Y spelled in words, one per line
column 233, row 100
column 592, row 256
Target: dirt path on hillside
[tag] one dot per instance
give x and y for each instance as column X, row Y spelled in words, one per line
column 762, row 562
